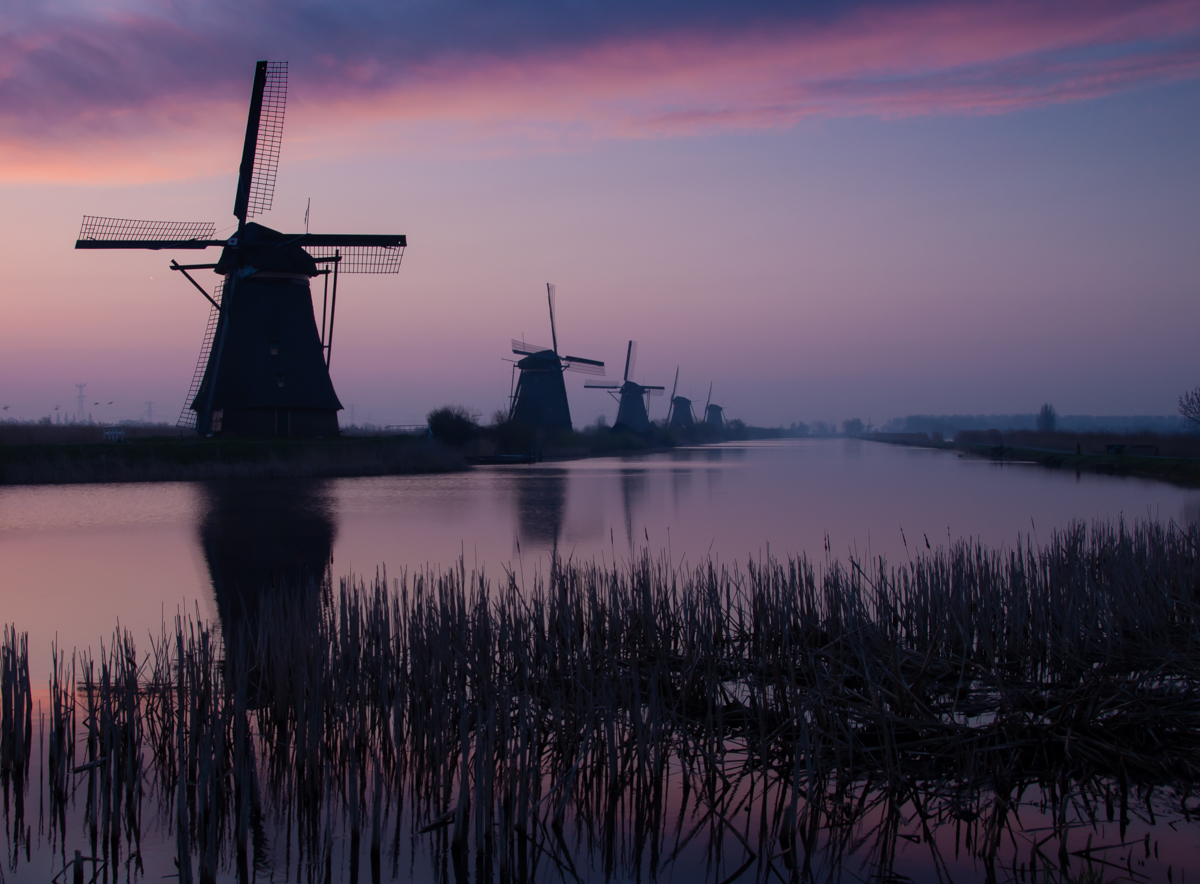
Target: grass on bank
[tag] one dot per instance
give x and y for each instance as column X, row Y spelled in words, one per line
column 193, row 458
column 456, row 426
column 1168, row 457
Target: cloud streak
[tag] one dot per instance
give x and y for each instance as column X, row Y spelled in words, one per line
column 80, row 86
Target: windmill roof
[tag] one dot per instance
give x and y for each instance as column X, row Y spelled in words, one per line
column 266, row 250
column 543, row 361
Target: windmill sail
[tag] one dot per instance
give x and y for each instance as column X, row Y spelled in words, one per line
column 270, row 139
column 362, row 259
column 97, row 232
column 521, row 348
column 583, row 366
column 187, row 417
column 264, row 136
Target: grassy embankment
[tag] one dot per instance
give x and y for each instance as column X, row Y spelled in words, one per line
column 510, row 438
column 34, row 454
column 167, row 458
column 776, row 715
column 1176, row 458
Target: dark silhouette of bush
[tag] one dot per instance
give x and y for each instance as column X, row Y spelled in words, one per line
column 453, row 425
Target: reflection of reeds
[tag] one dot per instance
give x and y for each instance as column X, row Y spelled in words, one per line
column 771, row 719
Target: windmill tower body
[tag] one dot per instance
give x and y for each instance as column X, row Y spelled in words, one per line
column 681, row 412
column 266, row 369
column 540, row 398
column 632, row 410
column 713, row 414
column 264, row 364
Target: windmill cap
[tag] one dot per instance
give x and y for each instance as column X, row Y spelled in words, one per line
column 265, row 249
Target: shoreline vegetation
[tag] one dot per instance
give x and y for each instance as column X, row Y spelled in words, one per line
column 1173, row 457
column 35, row 454
column 176, row 459
column 784, row 721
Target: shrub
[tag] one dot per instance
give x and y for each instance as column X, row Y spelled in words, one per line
column 453, row 425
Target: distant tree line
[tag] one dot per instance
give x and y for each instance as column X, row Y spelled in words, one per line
column 950, row 425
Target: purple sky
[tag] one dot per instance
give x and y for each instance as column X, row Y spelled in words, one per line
column 852, row 210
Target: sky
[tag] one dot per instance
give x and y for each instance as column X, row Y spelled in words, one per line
column 825, row 210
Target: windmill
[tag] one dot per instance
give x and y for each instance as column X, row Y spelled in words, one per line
column 680, row 412
column 540, row 399
column 714, row 415
column 264, row 366
column 632, row 408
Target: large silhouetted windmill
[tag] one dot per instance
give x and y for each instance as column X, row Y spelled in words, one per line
column 714, row 415
column 264, row 366
column 680, row 412
column 632, row 409
column 540, row 399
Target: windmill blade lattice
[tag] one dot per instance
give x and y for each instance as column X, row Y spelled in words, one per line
column 188, row 417
column 583, row 366
column 630, row 360
column 526, row 349
column 136, row 234
column 361, row 259
column 270, row 138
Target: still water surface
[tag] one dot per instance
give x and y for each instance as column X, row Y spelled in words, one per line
column 78, row 559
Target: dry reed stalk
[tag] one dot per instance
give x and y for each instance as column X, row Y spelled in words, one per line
column 794, row 716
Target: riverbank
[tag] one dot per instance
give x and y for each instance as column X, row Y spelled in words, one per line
column 167, row 459
column 1123, row 462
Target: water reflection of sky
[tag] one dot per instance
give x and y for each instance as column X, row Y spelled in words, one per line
column 78, row 558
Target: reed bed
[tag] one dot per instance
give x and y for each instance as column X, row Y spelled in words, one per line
column 772, row 720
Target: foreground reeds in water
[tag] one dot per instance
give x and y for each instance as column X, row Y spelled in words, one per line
column 772, row 720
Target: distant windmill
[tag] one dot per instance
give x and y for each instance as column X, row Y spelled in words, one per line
column 714, row 415
column 632, row 409
column 680, row 413
column 540, row 398
column 79, row 399
column 264, row 367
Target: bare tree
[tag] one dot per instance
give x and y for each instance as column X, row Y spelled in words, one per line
column 1189, row 407
column 1047, row 419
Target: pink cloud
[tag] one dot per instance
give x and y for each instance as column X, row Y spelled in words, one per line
column 942, row 58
